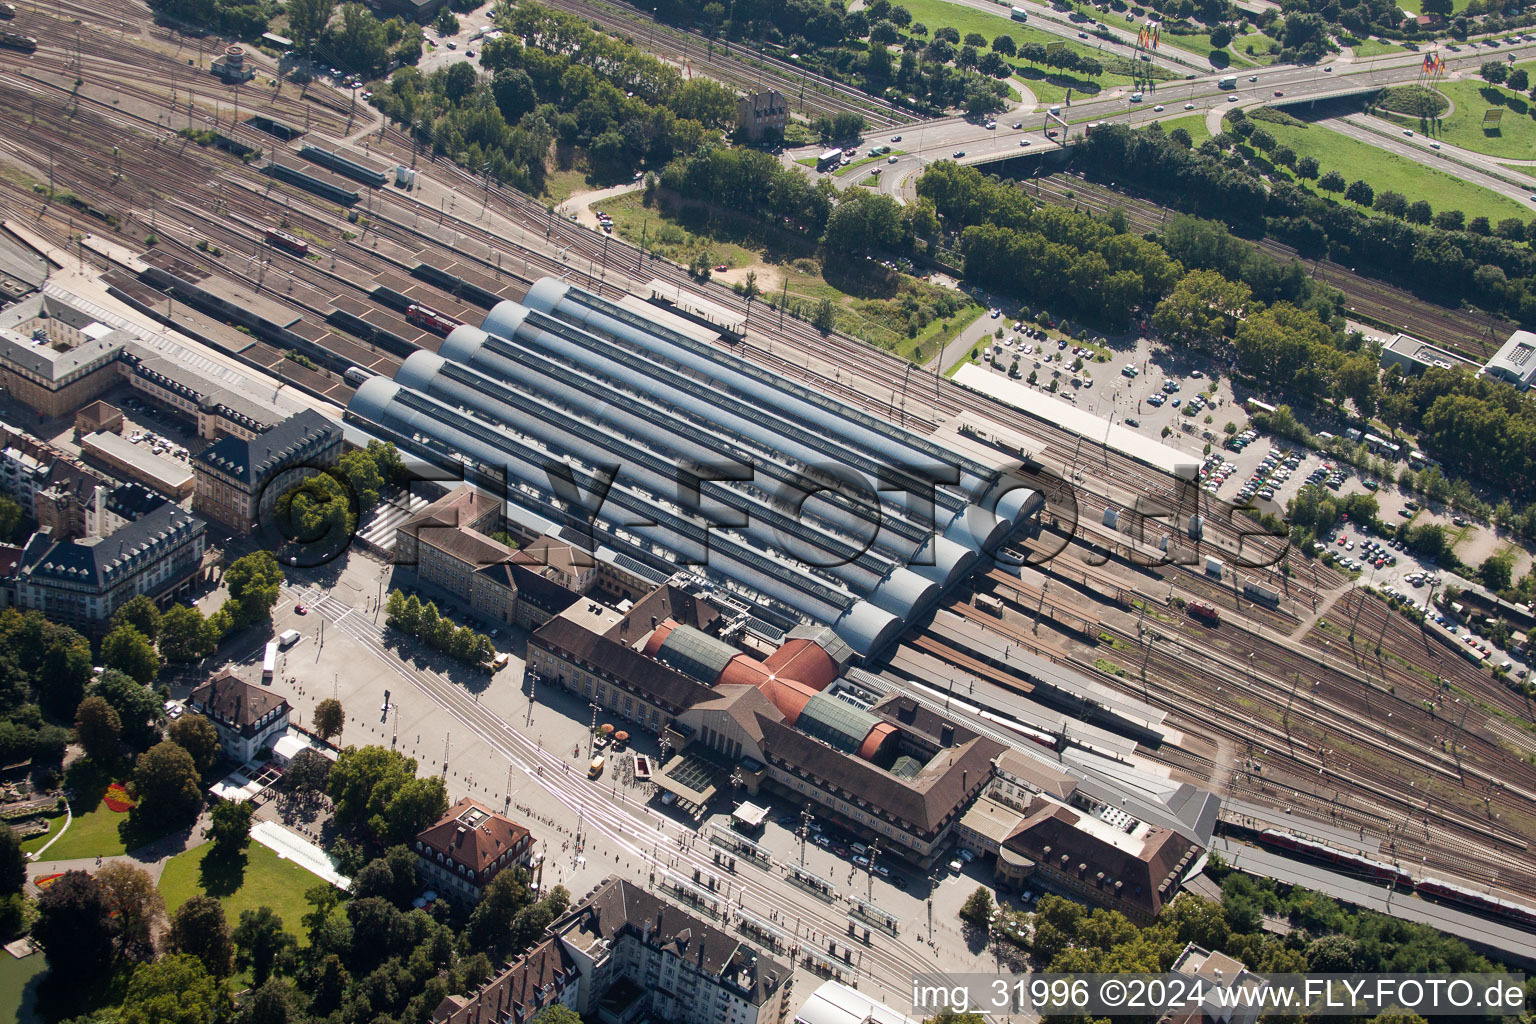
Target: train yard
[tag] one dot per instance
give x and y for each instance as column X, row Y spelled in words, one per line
column 1322, row 701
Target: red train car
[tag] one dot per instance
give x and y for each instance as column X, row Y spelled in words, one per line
column 283, row 240
column 1477, row 901
column 431, row 319
column 1206, row 612
column 1353, row 863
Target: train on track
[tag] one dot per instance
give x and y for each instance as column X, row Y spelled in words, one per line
column 1357, row 864
column 283, row 240
column 1205, row 612
column 16, row 41
column 431, row 319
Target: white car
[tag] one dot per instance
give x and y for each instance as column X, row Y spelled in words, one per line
column 1158, row 108
column 1189, row 106
column 1023, row 143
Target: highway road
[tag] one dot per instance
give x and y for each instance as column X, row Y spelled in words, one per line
column 970, row 142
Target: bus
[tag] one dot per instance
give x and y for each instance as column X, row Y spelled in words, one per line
column 269, row 663
column 828, row 160
column 1019, row 14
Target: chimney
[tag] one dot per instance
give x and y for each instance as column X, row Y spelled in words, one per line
column 947, row 735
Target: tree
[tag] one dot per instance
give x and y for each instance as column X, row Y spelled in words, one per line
column 458, row 82
column 330, row 718
column 230, row 831
column 186, row 636
column 1333, row 181
column 1494, row 71
column 307, row 20
column 306, row 773
column 10, row 519
column 138, row 708
column 365, row 780
column 275, row 1002
column 557, row 1014
column 197, row 736
column 198, row 929
column 259, row 941
column 1360, row 192
column 446, row 24
column 1306, row 167
column 67, row 664
column 1200, row 306
column 1005, row 45
column 1419, row 212
column 98, row 729
column 320, row 508
column 978, row 907
column 136, row 900
column 75, row 928
column 130, row 651
column 1221, row 36
column 489, row 924
column 173, row 990
column 165, row 780
column 1441, row 8
column 414, row 806
column 1450, row 220
column 1497, row 570
column 358, row 39
column 13, row 863
column 1393, row 204
column 825, row 318
column 141, row 613
column 255, row 581
column 1519, row 80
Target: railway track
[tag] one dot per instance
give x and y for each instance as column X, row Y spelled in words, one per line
column 740, row 68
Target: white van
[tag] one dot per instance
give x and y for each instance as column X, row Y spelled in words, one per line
column 288, row 638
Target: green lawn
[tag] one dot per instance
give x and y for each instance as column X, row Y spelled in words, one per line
column 15, row 975
column 1414, row 6
column 1050, row 88
column 1192, row 123
column 1515, row 137
column 1199, row 44
column 1376, row 48
column 871, row 302
column 92, row 834
column 268, row 880
column 1383, row 171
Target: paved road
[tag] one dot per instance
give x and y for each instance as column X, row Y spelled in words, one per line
column 944, row 138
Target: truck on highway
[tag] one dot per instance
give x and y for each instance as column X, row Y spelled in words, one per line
column 1019, row 14
column 828, row 160
column 1229, row 82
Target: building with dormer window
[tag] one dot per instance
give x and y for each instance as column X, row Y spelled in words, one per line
column 469, row 846
column 244, row 715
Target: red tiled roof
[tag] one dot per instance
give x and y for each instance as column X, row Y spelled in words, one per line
column 473, row 835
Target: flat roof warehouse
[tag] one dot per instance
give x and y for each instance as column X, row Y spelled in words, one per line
column 568, row 372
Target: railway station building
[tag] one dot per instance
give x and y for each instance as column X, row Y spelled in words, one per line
column 883, row 766
column 791, row 505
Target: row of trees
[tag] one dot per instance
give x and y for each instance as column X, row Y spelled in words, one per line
column 426, row 623
column 1453, row 262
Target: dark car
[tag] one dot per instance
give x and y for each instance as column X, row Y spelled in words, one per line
column 959, row 153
